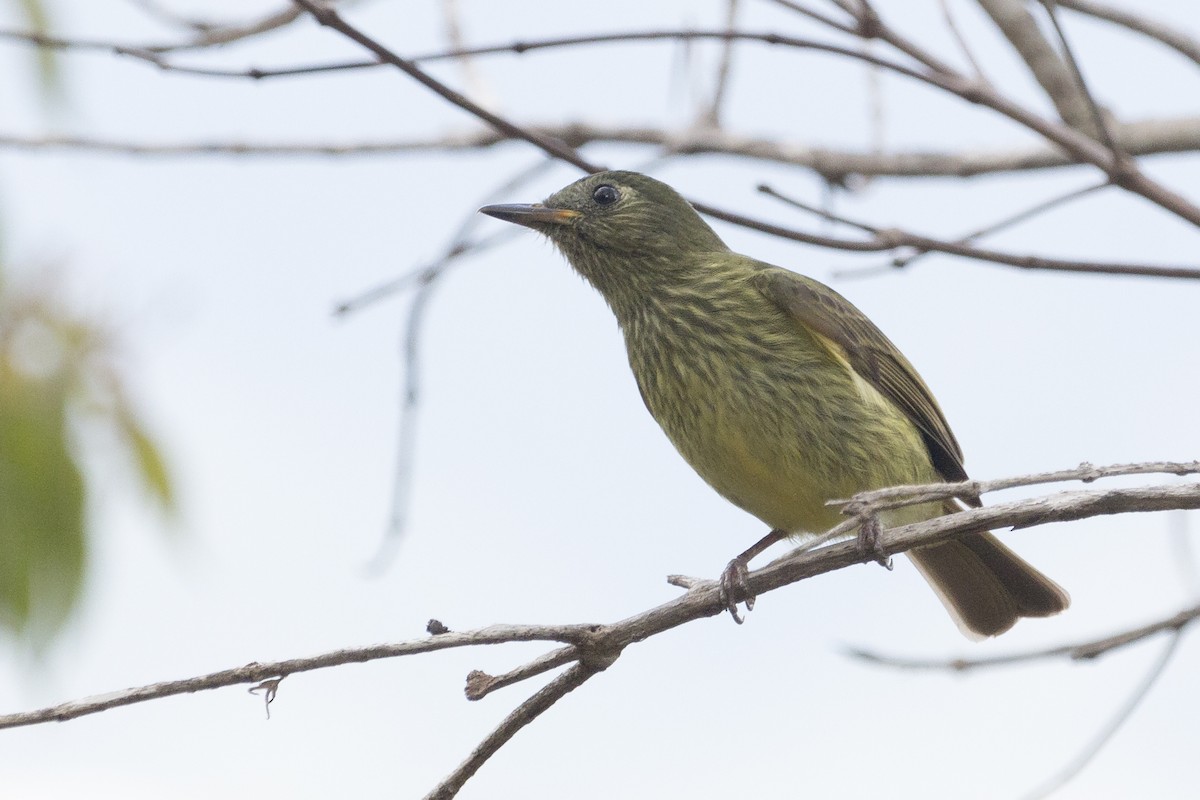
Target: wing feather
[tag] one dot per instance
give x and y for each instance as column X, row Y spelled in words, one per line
column 871, row 354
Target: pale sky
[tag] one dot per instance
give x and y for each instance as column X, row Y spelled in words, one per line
column 543, row 491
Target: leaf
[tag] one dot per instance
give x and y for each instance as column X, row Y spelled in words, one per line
column 39, row 22
column 151, row 466
column 42, row 549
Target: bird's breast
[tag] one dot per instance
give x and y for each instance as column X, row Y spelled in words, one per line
column 762, row 410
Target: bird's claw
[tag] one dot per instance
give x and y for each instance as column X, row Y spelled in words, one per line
column 868, row 542
column 735, row 588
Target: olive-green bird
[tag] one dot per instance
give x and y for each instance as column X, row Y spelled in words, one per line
column 779, row 393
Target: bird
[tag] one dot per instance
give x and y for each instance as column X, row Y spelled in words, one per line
column 776, row 390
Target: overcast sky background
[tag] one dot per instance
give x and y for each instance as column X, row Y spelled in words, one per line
column 543, row 491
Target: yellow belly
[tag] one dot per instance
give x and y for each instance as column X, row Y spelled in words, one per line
column 778, row 426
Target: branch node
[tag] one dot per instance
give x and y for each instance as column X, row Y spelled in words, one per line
column 322, row 12
column 686, row 581
column 599, row 648
column 870, row 26
column 890, row 238
column 479, row 683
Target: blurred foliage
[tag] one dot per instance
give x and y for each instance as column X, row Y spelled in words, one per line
column 58, row 378
column 38, row 20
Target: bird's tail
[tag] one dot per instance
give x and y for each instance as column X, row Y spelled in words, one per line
column 985, row 586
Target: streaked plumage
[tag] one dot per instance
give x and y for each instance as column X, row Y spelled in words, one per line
column 774, row 388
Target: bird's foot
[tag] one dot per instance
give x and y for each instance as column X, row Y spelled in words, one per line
column 868, row 542
column 735, row 588
column 735, row 584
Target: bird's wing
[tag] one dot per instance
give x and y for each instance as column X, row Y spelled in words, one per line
column 869, row 353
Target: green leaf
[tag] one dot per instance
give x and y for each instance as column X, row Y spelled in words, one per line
column 42, row 548
column 39, row 22
column 151, row 466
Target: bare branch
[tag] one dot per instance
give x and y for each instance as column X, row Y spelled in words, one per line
column 871, row 26
column 701, row 141
column 524, row 714
column 325, row 15
column 1081, row 651
column 1098, row 117
column 1155, row 136
column 1170, row 36
column 894, row 238
column 1122, row 172
column 952, row 26
column 480, row 684
column 1051, row 71
column 597, row 644
column 901, row 496
column 1146, row 137
column 207, row 37
column 217, row 35
column 712, row 115
column 256, row 672
column 1174, row 625
column 596, row 647
column 1119, row 719
column 865, row 507
column 818, row 16
column 1079, row 147
column 454, row 35
column 1012, row 220
column 425, row 279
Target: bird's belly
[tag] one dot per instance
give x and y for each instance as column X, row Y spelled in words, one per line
column 782, row 439
column 787, row 493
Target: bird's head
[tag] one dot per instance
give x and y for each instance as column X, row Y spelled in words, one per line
column 618, row 228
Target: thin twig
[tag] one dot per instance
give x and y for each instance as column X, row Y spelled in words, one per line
column 1013, row 220
column 369, row 297
column 1144, row 137
column 1099, row 118
column 701, row 600
column 454, row 35
column 257, row 672
column 1048, row 68
column 1119, row 719
column 961, row 40
column 818, row 16
column 527, row 712
column 711, row 118
column 1169, row 35
column 871, row 26
column 425, row 279
column 1080, row 147
column 1080, row 651
column 901, row 496
column 219, row 35
column 596, row 647
column 893, row 238
column 480, row 684
column 902, row 164
column 904, row 260
column 327, row 16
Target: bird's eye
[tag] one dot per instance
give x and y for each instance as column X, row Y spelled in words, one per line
column 606, row 195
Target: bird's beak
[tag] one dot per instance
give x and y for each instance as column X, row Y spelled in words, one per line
column 531, row 216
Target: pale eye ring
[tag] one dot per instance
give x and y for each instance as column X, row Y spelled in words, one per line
column 605, row 195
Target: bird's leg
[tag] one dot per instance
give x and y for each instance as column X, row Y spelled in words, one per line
column 868, row 542
column 733, row 580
